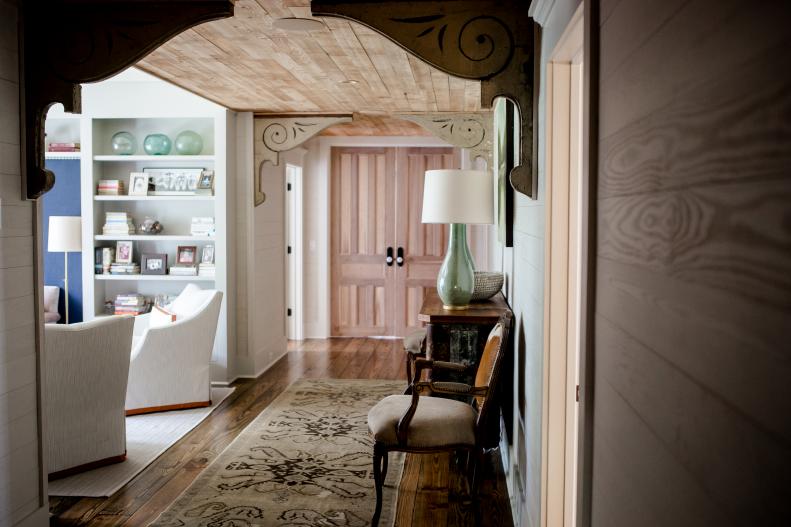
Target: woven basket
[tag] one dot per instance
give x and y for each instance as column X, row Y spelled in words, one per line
column 487, row 285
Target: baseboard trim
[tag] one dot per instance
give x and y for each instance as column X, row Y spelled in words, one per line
column 86, row 466
column 168, row 408
column 262, row 370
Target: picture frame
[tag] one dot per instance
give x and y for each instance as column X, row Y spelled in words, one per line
column 154, row 263
column 207, row 255
column 123, row 252
column 206, row 180
column 174, row 181
column 187, row 255
column 138, row 184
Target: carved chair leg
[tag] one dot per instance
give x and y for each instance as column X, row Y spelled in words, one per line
column 477, row 472
column 380, row 461
column 408, row 390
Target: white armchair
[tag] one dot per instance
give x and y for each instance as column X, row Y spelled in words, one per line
column 169, row 368
column 86, row 367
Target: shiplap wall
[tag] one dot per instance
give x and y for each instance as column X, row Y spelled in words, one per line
column 20, row 467
column 524, row 268
column 692, row 408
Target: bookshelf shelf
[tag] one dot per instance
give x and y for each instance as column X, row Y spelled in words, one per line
column 153, row 198
column 152, row 278
column 154, row 238
column 155, row 159
column 62, row 155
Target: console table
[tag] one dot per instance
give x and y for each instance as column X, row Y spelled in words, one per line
column 460, row 336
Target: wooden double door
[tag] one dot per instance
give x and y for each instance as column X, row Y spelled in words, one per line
column 382, row 256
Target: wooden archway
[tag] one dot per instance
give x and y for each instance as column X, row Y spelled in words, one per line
column 494, row 41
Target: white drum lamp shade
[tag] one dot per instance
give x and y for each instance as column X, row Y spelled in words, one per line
column 65, row 234
column 458, row 196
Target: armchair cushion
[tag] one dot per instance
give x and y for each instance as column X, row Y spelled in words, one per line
column 160, row 317
column 190, row 301
column 437, row 422
column 51, row 298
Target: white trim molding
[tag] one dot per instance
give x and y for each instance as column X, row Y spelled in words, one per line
column 540, row 10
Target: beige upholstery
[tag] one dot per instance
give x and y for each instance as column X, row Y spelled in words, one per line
column 414, row 342
column 437, row 422
column 51, row 298
column 86, row 366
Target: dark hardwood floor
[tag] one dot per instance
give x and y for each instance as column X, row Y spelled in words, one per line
column 424, row 498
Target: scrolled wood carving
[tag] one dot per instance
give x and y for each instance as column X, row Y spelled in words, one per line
column 472, row 130
column 491, row 40
column 277, row 134
column 64, row 43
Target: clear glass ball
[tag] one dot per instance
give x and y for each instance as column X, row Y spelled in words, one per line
column 157, row 145
column 123, row 144
column 189, row 143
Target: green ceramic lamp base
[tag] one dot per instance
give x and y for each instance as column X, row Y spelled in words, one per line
column 456, row 276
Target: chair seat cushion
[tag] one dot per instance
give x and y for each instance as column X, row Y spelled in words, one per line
column 437, row 422
column 414, row 341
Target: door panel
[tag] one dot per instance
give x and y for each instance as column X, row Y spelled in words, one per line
column 424, row 244
column 362, row 180
column 377, row 199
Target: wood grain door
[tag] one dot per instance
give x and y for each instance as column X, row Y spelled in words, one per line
column 363, row 220
column 423, row 245
column 377, row 197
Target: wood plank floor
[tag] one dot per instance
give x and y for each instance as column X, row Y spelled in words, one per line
column 424, row 498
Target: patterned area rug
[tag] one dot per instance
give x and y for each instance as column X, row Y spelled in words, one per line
column 305, row 461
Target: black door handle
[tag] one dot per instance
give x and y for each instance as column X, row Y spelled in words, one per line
column 389, row 258
column 400, row 257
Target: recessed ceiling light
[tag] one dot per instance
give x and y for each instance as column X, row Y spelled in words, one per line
column 298, row 24
column 349, row 81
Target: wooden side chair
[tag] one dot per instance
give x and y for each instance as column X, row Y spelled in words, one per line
column 414, row 348
column 412, row 423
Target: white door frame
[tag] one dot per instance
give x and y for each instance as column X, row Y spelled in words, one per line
column 563, row 277
column 294, row 257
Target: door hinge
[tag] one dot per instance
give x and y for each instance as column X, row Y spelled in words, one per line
column 578, row 393
column 288, row 186
column 289, row 249
column 288, row 312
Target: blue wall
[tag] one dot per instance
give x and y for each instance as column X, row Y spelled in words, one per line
column 63, row 200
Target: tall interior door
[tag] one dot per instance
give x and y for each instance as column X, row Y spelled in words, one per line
column 377, row 197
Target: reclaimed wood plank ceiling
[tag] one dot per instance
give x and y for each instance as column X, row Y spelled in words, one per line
column 245, row 63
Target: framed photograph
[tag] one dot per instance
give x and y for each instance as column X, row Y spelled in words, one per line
column 123, row 252
column 174, row 181
column 154, row 263
column 138, row 184
column 187, row 255
column 206, row 181
column 208, row 254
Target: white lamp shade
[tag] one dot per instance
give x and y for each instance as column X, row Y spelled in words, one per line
column 65, row 234
column 458, row 196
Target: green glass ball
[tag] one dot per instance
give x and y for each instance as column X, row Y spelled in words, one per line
column 157, row 145
column 189, row 143
column 123, row 144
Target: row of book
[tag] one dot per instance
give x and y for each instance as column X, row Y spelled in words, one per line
column 131, row 304
column 63, row 147
column 183, row 270
column 110, row 187
column 207, row 269
column 118, row 223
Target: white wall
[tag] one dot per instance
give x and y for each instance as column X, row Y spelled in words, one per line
column 524, row 267
column 22, row 487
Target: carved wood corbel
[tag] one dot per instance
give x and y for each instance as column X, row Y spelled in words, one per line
column 67, row 42
column 470, row 130
column 275, row 134
column 494, row 41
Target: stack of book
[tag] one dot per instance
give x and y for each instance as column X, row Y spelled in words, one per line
column 104, row 257
column 207, row 269
column 202, row 226
column 124, row 268
column 183, row 270
column 63, row 147
column 131, row 304
column 118, row 223
column 110, row 187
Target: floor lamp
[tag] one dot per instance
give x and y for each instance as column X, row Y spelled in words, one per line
column 65, row 235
